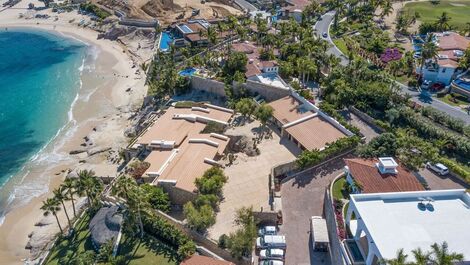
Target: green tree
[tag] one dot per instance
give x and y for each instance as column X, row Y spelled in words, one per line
column 70, row 187
column 157, row 197
column 443, row 21
column 105, row 253
column 399, row 260
column 240, row 243
column 199, row 218
column 211, row 182
column 51, row 206
column 263, row 113
column 90, row 185
column 429, row 50
column 421, row 257
column 84, row 258
column 236, row 61
column 440, row 255
column 246, row 106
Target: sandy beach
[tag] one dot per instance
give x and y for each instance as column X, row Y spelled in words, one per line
column 112, row 89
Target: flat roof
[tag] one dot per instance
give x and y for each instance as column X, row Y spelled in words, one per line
column 289, row 109
column 169, row 129
column 394, row 220
column 190, row 161
column 315, row 133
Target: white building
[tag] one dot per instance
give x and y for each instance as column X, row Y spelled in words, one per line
column 451, row 48
column 383, row 223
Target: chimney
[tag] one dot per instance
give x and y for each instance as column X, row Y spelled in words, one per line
column 387, row 165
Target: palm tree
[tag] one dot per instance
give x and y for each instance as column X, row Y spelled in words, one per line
column 89, row 185
column 421, row 257
column 51, row 206
column 441, row 256
column 443, row 21
column 387, row 9
column 399, row 260
column 466, row 30
column 60, row 197
column 429, row 50
column 123, row 187
column 70, row 185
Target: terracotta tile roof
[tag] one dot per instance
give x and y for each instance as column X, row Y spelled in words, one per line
column 453, row 41
column 244, row 47
column 252, row 70
column 365, row 172
column 203, row 260
column 315, row 133
column 288, row 109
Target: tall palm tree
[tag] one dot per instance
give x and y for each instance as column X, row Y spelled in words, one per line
column 421, row 257
column 387, row 8
column 399, row 260
column 61, row 197
column 443, row 21
column 429, row 50
column 89, row 185
column 124, row 187
column 441, row 256
column 70, row 185
column 51, row 206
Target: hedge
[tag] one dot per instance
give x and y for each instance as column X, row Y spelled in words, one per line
column 456, row 168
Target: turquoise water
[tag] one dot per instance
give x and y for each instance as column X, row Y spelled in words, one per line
column 39, row 80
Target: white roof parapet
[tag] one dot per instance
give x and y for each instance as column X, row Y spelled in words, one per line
column 164, row 166
column 200, row 109
column 211, row 162
column 196, row 117
column 219, row 108
column 292, row 123
column 203, row 141
column 163, row 143
column 219, row 136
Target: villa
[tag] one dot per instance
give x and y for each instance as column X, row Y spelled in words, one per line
column 451, row 48
column 178, row 151
column 383, row 223
column 379, row 175
column 305, row 124
column 190, row 33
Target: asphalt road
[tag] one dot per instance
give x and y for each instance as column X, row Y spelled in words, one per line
column 423, row 99
column 322, row 26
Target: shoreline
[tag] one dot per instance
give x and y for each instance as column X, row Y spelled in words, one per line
column 100, row 110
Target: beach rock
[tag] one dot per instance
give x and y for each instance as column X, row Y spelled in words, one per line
column 78, row 151
column 97, row 150
column 72, row 174
column 130, row 132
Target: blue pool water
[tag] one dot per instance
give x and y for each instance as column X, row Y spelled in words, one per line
column 39, row 79
column 165, row 41
column 463, row 84
column 187, row 72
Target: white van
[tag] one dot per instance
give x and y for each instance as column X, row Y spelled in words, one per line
column 438, row 168
column 267, row 230
column 270, row 241
column 272, row 253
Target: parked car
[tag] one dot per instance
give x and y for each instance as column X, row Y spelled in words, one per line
column 438, row 168
column 325, row 35
column 271, row 262
column 272, row 253
column 267, row 230
column 271, row 241
column 426, row 84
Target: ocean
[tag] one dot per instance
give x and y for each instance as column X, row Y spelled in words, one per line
column 39, row 83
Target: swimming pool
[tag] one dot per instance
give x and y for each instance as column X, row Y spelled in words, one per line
column 165, row 41
column 463, row 84
column 187, row 72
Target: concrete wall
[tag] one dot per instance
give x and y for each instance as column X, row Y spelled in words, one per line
column 208, row 85
column 366, row 118
column 284, row 168
column 138, row 23
column 177, row 196
column 336, row 254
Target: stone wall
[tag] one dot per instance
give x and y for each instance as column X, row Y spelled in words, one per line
column 284, row 169
column 366, row 118
column 336, row 254
column 138, row 23
column 268, row 92
column 208, row 85
column 177, row 196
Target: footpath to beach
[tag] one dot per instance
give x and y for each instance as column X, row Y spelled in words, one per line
column 110, row 92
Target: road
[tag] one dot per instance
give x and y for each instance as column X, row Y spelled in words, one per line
column 246, row 5
column 324, row 25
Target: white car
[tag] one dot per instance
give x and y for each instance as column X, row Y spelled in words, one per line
column 272, row 253
column 438, row 168
column 267, row 230
column 271, row 262
column 270, row 241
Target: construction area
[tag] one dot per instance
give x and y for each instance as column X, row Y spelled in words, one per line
column 173, row 11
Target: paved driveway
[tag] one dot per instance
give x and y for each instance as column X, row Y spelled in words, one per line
column 302, row 198
column 436, row 182
column 323, row 25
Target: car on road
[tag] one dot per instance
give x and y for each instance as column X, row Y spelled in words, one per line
column 271, row 262
column 267, row 230
column 324, row 35
column 426, row 84
column 271, row 241
column 272, row 253
column 438, row 168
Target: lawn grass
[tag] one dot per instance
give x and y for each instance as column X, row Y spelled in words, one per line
column 341, row 45
column 147, row 250
column 460, row 100
column 338, row 192
column 458, row 10
column 69, row 248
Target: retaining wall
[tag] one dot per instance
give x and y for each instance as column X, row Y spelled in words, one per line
column 336, row 254
column 366, row 118
column 208, row 85
column 268, row 92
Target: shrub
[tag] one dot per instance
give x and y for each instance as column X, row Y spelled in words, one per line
column 188, row 104
column 213, row 127
column 223, row 241
column 390, row 55
column 211, row 182
column 199, row 218
column 314, row 157
column 138, row 168
column 92, row 8
column 240, row 243
column 157, row 197
column 455, row 168
column 168, row 233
